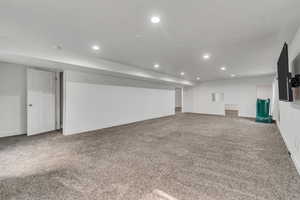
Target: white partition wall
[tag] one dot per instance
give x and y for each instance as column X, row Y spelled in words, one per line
column 12, row 99
column 91, row 103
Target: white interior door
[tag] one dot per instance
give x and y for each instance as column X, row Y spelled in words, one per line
column 40, row 101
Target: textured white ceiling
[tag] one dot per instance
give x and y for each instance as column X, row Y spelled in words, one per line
column 245, row 36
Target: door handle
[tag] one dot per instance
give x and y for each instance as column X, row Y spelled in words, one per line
column 30, row 105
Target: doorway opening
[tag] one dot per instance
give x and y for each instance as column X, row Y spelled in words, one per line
column 44, row 101
column 178, row 100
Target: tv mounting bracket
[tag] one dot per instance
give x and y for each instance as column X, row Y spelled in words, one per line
column 295, row 81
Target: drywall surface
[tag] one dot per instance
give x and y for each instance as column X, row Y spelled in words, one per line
column 241, row 92
column 264, row 91
column 12, row 99
column 288, row 114
column 96, row 101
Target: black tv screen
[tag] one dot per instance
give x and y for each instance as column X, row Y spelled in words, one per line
column 284, row 76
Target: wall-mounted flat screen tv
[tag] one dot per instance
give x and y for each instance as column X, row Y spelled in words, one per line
column 284, row 76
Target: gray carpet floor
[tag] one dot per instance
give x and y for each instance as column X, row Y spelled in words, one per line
column 183, row 157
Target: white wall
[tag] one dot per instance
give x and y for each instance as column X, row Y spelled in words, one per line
column 96, row 101
column 12, row 99
column 93, row 101
column 178, row 97
column 241, row 92
column 288, row 115
column 265, row 91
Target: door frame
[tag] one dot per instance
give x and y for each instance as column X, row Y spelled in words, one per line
column 59, row 97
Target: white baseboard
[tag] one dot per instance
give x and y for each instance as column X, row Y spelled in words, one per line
column 296, row 163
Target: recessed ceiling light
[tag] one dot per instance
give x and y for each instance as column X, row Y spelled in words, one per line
column 182, row 73
column 198, row 78
column 223, row 68
column 156, row 66
column 206, row 56
column 95, row 47
column 155, row 19
column 232, row 75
